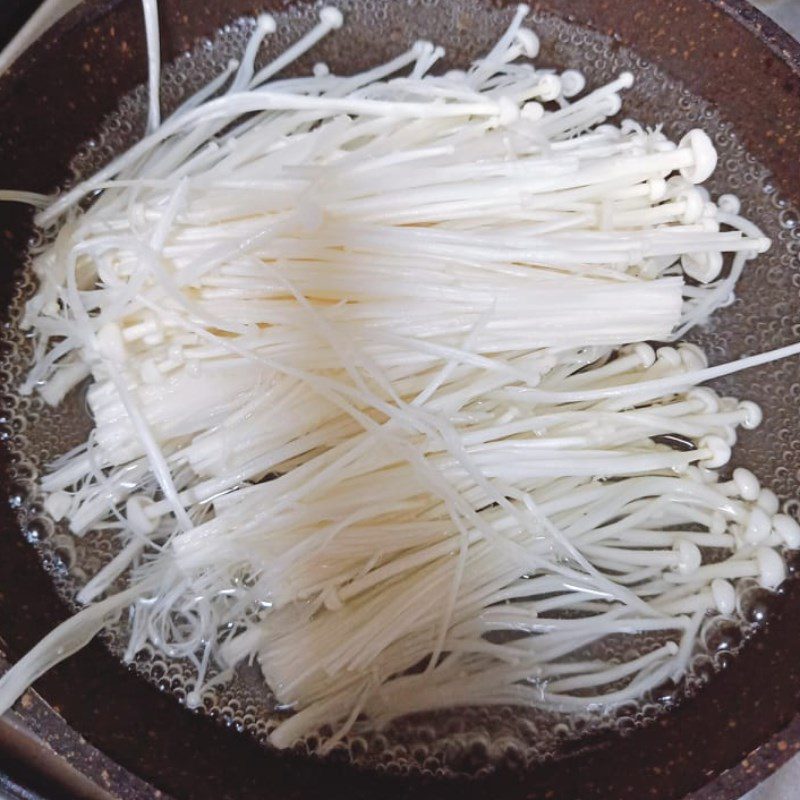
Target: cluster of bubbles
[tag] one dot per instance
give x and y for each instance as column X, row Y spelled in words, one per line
column 464, row 740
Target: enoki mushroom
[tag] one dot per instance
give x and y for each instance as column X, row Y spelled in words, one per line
column 371, row 396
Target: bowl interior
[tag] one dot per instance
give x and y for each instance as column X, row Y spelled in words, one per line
column 87, row 109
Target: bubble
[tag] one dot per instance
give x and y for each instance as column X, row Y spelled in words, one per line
column 38, row 529
column 667, row 694
column 757, row 605
column 19, row 492
column 723, row 635
column 626, row 724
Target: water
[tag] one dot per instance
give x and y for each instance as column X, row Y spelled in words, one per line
column 468, row 740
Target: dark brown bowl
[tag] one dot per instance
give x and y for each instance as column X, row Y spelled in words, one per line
column 51, row 102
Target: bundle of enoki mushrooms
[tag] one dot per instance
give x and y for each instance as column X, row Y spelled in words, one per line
column 372, row 399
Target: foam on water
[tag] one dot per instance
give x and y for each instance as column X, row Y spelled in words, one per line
column 466, row 740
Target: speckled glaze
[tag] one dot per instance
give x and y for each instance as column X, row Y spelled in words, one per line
column 117, row 726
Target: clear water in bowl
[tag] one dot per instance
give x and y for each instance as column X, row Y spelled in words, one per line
column 463, row 740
